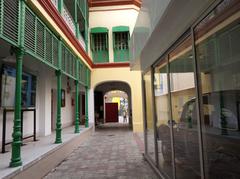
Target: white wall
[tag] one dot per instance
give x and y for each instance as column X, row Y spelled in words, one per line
column 118, row 16
column 46, row 81
column 91, row 115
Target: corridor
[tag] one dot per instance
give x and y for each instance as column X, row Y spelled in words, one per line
column 111, row 152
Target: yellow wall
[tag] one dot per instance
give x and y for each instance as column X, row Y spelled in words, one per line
column 133, row 78
column 148, row 99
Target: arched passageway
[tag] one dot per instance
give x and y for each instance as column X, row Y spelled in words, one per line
column 112, row 103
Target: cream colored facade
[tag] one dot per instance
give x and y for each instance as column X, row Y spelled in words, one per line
column 109, row 17
column 133, row 79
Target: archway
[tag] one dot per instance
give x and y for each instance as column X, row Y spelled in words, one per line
column 112, row 92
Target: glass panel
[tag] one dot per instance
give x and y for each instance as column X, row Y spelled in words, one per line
column 149, row 116
column 163, row 123
column 218, row 55
column 184, row 112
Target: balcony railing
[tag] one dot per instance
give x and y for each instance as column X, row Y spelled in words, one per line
column 68, row 19
column 82, row 42
column 55, row 3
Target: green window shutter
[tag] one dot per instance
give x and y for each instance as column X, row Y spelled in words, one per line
column 99, row 44
column 121, row 43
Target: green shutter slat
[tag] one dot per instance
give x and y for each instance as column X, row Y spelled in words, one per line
column 49, row 47
column 40, row 39
column 29, row 40
column 121, row 46
column 10, row 22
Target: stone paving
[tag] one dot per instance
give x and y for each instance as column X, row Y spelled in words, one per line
column 110, row 153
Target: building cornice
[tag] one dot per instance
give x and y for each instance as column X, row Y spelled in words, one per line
column 98, row 3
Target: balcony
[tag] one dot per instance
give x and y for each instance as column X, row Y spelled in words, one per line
column 67, row 11
column 82, row 41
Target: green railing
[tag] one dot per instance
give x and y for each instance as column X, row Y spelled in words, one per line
column 39, row 41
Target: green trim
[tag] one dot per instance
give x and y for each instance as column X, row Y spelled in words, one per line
column 120, row 29
column 98, row 30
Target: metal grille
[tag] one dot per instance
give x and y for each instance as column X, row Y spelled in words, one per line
column 49, row 47
column 30, row 39
column 11, row 20
column 40, row 39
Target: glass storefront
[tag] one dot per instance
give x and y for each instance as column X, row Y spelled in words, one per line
column 218, row 55
column 184, row 114
column 198, row 121
column 149, row 117
column 163, row 121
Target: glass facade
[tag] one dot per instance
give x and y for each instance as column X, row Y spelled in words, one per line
column 218, row 55
column 149, row 131
column 184, row 114
column 163, row 120
column 197, row 100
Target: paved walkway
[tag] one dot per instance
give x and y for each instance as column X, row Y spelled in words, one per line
column 111, row 153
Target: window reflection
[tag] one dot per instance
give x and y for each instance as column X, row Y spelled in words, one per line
column 163, row 120
column 184, row 112
column 218, row 54
column 149, row 116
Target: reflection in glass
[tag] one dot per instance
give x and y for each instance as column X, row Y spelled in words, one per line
column 163, row 123
column 184, row 114
column 218, row 54
column 149, row 116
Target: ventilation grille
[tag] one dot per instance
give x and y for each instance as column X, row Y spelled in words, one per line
column 30, row 31
column 49, row 47
column 10, row 20
column 39, row 40
column 55, row 52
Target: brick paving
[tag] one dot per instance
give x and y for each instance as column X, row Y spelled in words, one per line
column 110, row 153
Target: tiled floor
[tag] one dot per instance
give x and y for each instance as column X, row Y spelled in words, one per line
column 34, row 151
column 112, row 152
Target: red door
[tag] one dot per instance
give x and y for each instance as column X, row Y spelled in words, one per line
column 111, row 112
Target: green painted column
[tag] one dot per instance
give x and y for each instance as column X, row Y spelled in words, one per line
column 59, row 100
column 77, row 130
column 86, row 107
column 17, row 141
